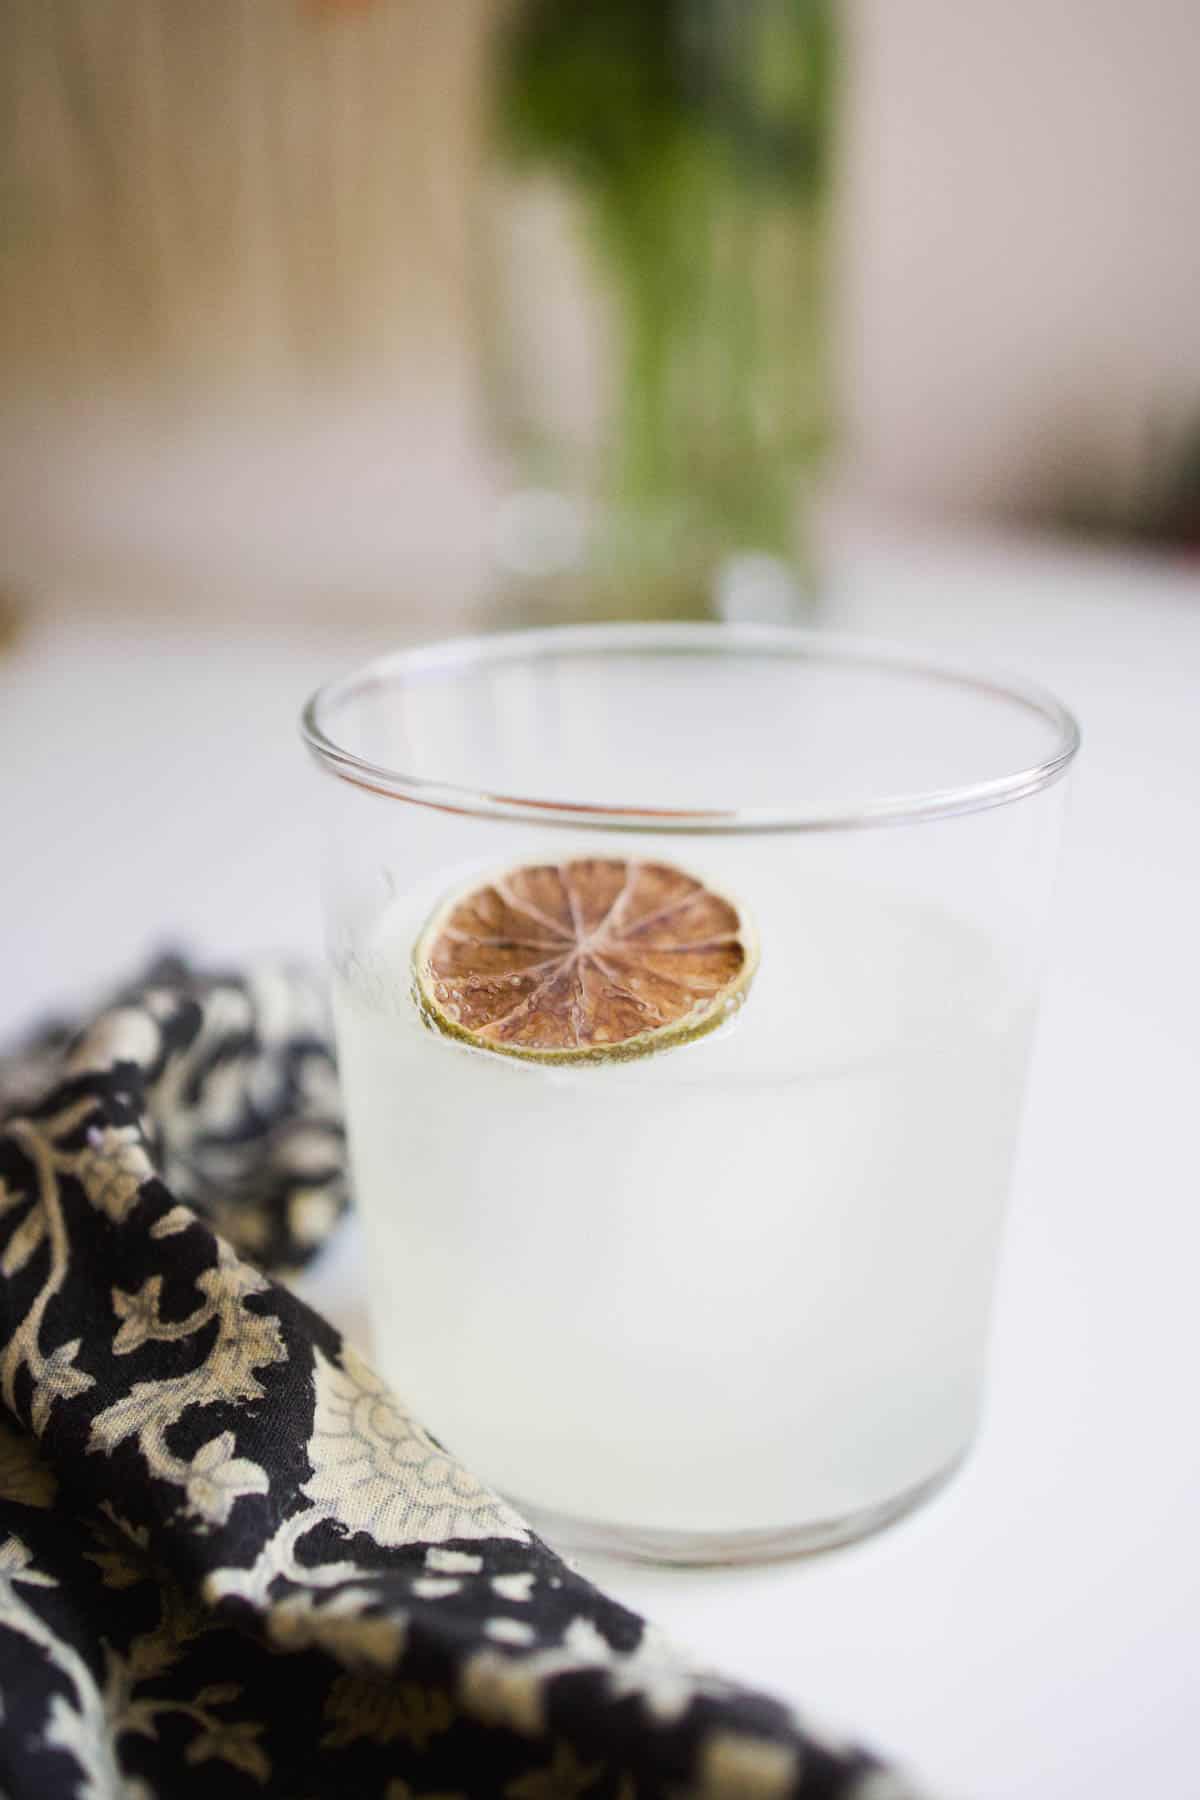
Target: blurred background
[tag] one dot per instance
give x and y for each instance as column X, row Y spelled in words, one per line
column 331, row 324
column 550, row 308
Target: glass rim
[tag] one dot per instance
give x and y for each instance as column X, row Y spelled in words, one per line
column 461, row 653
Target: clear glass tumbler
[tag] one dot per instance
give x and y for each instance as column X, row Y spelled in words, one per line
column 684, row 978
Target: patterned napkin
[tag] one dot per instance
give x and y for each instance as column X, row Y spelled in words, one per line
column 227, row 1553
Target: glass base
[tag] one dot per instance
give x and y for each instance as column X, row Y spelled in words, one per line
column 631, row 1543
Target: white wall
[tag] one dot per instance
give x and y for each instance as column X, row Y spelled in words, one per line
column 1021, row 251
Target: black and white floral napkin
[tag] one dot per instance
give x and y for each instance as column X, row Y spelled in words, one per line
column 229, row 1558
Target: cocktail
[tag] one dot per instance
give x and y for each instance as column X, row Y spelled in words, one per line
column 684, row 979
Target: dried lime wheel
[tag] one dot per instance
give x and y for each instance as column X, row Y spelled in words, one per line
column 592, row 959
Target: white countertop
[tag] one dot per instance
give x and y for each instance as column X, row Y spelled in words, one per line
column 1035, row 1631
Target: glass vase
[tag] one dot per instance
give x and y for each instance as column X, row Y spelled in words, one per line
column 654, row 301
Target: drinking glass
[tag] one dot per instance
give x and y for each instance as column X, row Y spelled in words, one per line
column 684, row 978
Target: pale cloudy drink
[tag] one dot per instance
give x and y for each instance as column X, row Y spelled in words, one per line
column 682, row 1128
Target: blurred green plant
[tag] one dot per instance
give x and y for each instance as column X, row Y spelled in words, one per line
column 698, row 135
column 620, row 86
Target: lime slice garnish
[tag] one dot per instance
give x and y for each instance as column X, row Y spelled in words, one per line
column 592, row 959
